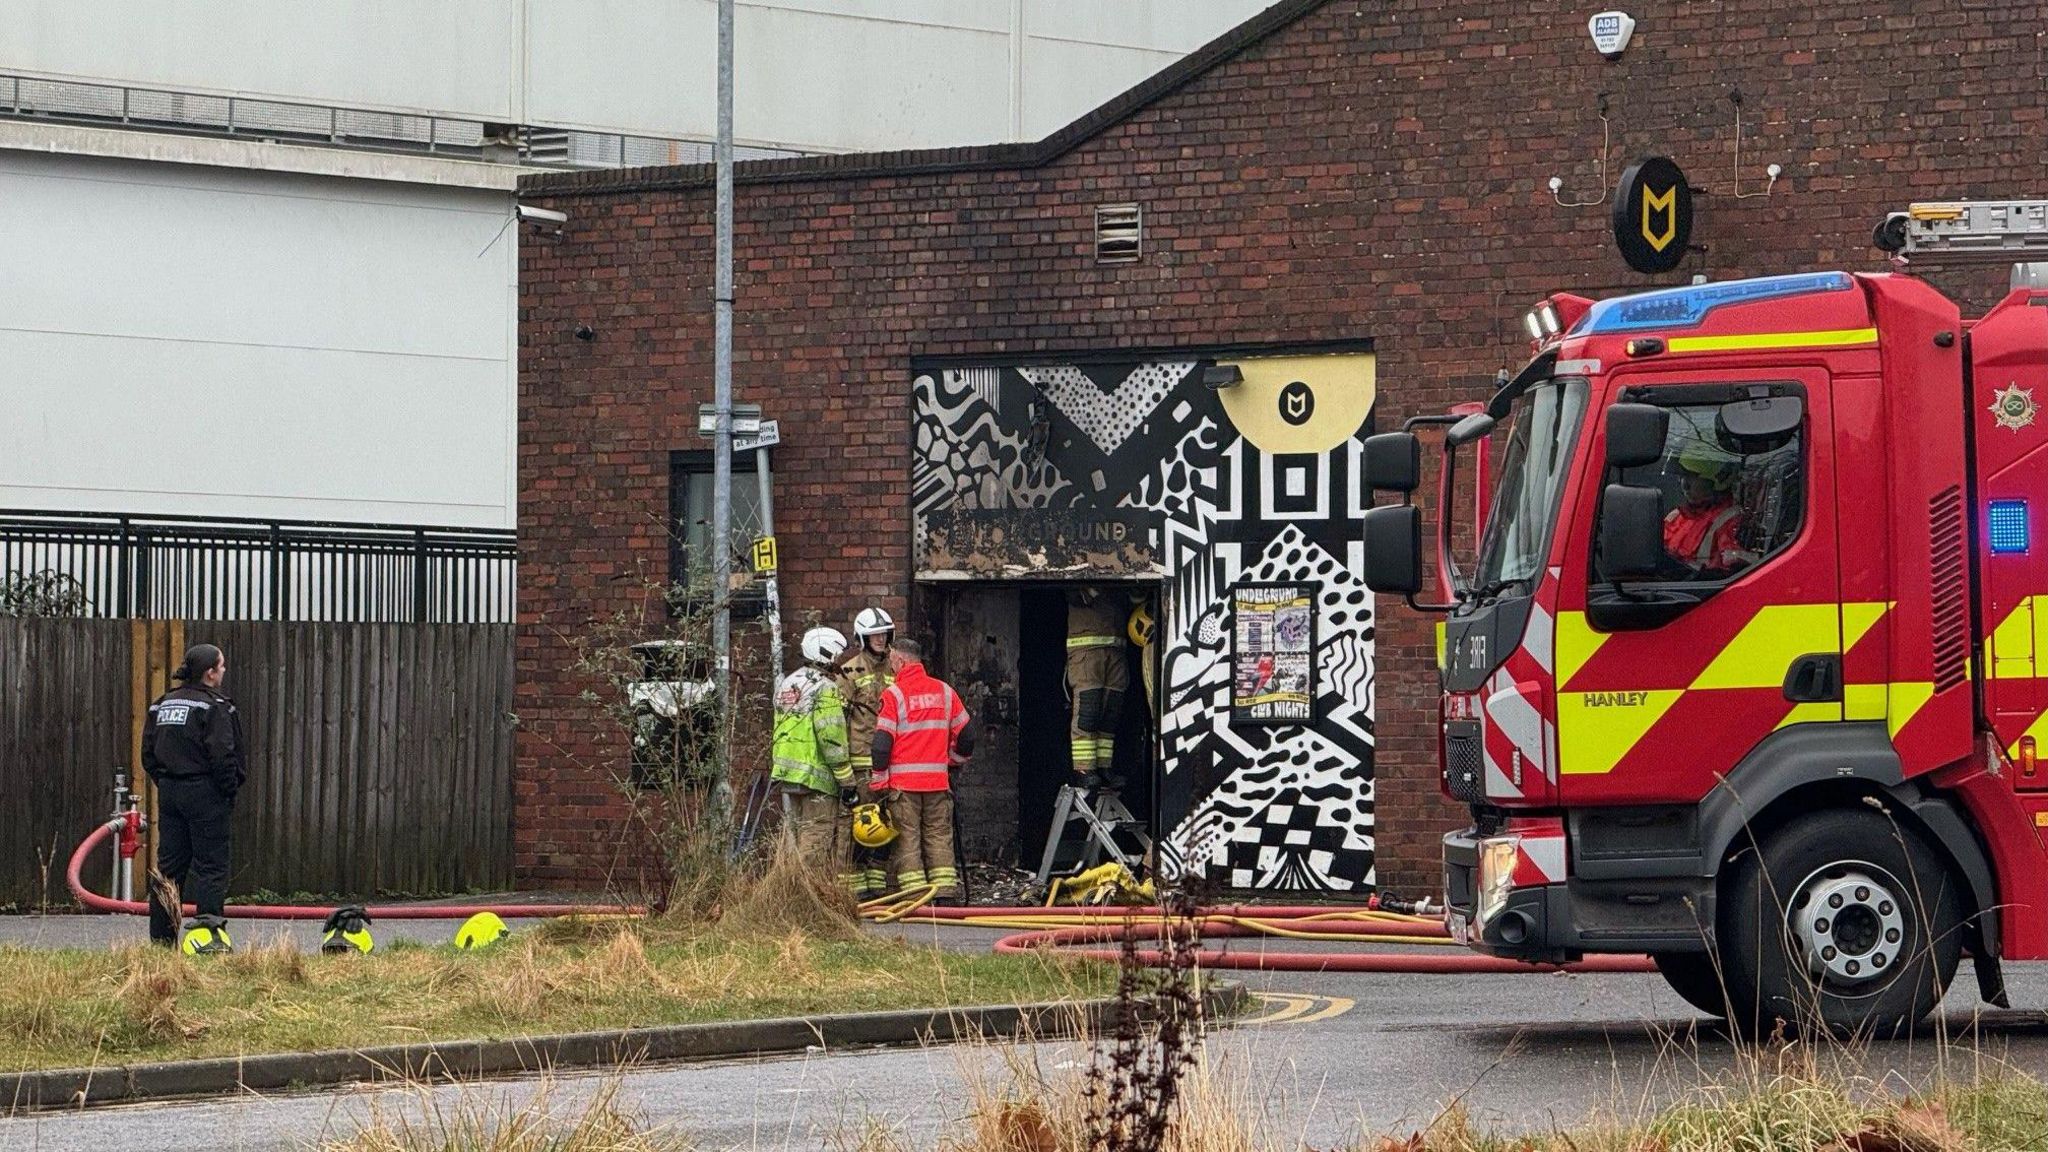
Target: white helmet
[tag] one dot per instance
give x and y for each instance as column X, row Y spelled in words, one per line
column 872, row 622
column 823, row 645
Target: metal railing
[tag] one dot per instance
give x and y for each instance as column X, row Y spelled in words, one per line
column 224, row 568
column 203, row 114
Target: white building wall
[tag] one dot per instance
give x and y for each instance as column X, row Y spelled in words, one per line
column 223, row 326
column 813, row 75
column 183, row 339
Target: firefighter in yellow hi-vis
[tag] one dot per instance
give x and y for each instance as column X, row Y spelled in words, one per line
column 1097, row 677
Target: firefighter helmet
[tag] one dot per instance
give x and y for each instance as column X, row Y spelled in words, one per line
column 873, row 622
column 347, row 930
column 823, row 645
column 871, row 826
column 1141, row 625
column 1708, row 465
column 207, row 936
column 481, row 931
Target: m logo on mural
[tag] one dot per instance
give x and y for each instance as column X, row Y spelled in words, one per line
column 1297, row 403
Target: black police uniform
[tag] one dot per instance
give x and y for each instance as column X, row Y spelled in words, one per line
column 192, row 749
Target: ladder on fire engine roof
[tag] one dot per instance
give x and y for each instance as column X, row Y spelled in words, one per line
column 1101, row 815
column 1973, row 231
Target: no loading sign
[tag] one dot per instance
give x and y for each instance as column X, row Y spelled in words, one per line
column 2013, row 407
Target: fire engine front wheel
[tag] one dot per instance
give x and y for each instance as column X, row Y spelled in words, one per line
column 1843, row 919
column 1695, row 978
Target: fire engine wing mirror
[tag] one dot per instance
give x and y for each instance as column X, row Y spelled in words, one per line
column 1393, row 462
column 1469, row 429
column 1631, row 532
column 1635, row 434
column 1762, row 418
column 1393, row 549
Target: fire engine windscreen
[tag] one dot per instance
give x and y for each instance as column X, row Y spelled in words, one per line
column 1542, row 432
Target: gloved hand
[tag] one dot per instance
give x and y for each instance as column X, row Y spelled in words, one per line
column 848, row 797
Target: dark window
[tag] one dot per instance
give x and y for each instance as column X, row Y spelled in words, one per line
column 689, row 513
column 1730, row 502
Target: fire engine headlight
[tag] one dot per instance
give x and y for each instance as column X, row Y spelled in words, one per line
column 1546, row 318
column 1534, row 326
column 1496, row 879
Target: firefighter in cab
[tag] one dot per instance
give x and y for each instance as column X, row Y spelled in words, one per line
column 1704, row 533
column 864, row 676
column 813, row 772
column 1097, row 678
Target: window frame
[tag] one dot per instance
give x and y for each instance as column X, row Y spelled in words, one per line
column 683, row 463
column 1639, row 603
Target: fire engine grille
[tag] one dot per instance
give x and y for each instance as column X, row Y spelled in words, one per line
column 1948, row 599
column 1464, row 762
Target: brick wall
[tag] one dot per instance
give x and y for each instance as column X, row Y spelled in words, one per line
column 1368, row 170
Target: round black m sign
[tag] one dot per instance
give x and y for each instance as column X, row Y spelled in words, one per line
column 1653, row 215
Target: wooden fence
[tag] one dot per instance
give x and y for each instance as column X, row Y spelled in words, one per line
column 379, row 755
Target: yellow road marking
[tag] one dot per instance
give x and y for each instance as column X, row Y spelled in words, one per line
column 1300, row 1008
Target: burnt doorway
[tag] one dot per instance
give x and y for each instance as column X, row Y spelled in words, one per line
column 1004, row 648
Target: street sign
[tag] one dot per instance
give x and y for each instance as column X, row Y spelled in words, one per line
column 768, row 435
column 746, row 420
column 764, row 556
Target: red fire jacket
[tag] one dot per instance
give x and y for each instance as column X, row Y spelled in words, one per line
column 917, row 731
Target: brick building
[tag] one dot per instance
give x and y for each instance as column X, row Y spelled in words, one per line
column 1346, row 195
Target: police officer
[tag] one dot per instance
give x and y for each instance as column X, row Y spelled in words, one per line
column 192, row 749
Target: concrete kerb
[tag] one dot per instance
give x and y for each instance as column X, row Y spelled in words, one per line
column 475, row 1059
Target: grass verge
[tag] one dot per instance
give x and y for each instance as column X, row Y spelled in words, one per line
column 62, row 1009
column 1224, row 1110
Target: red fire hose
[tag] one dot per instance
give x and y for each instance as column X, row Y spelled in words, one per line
column 74, row 875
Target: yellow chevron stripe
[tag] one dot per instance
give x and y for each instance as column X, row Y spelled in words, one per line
column 1837, row 338
column 1778, row 634
column 1859, row 617
column 2014, row 642
column 1576, row 642
column 1906, row 699
column 1603, row 731
column 1595, row 732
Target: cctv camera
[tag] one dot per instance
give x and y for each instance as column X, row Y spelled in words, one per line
column 529, row 213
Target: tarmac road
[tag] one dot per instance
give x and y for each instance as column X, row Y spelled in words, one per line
column 1336, row 1054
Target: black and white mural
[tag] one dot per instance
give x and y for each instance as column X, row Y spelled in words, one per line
column 1198, row 474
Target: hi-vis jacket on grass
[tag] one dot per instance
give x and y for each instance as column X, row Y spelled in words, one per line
column 1805, row 779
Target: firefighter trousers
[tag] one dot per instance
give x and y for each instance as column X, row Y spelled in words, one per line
column 924, row 841
column 192, row 822
column 821, row 833
column 1097, row 679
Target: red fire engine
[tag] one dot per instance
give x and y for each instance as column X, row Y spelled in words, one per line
column 1751, row 670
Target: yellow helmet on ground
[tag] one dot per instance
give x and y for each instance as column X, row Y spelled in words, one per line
column 207, row 936
column 347, row 930
column 481, row 931
column 1141, row 625
column 871, row 827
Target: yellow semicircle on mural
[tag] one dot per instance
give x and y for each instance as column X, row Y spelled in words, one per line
column 1297, row 404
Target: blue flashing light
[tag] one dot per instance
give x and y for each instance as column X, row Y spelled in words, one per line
column 1687, row 307
column 2008, row 526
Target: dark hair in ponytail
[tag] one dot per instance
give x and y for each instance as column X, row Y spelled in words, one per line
column 199, row 660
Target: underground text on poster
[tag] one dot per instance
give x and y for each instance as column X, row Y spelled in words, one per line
column 1273, row 673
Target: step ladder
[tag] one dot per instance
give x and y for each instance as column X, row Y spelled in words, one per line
column 1102, row 817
